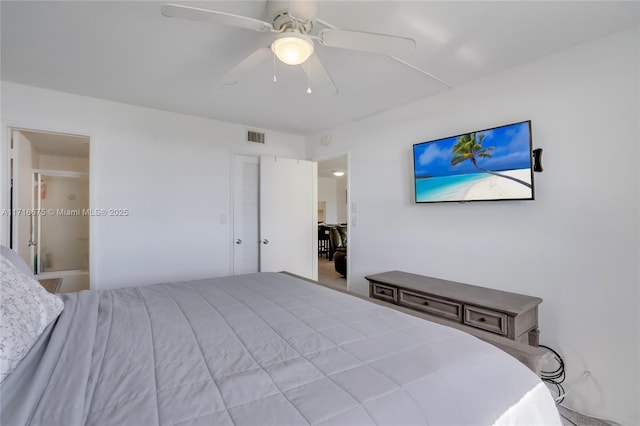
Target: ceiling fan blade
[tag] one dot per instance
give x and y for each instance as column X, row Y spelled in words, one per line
column 304, row 10
column 244, row 67
column 321, row 81
column 214, row 17
column 368, row 42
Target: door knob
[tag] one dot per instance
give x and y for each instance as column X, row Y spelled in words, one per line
column 265, row 241
column 238, row 241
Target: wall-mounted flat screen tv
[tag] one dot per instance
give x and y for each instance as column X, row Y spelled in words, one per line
column 492, row 164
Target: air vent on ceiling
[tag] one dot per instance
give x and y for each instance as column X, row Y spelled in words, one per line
column 256, row 137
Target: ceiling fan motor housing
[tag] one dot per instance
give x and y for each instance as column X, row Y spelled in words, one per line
column 278, row 12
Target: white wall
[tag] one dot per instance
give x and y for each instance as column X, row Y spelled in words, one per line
column 171, row 171
column 342, row 215
column 576, row 245
column 327, row 193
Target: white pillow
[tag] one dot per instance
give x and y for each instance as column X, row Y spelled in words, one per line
column 17, row 261
column 26, row 309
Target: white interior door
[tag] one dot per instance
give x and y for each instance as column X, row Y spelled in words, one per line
column 288, row 216
column 23, row 198
column 246, row 236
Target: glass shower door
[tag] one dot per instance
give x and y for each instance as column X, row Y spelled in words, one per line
column 62, row 223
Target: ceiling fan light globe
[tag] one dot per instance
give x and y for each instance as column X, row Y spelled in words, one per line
column 292, row 49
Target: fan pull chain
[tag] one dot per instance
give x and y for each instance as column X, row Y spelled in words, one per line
column 275, row 79
column 309, row 76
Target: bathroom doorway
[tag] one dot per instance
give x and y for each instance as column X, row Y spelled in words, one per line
column 49, row 221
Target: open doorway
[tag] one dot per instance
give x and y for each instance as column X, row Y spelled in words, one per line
column 333, row 178
column 49, row 200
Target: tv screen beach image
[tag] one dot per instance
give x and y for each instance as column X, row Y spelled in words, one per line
column 493, row 164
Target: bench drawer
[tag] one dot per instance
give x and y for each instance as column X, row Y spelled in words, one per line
column 494, row 322
column 384, row 292
column 432, row 305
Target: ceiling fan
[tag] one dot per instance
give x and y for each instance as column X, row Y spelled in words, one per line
column 294, row 44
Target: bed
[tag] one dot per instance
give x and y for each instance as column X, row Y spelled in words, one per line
column 260, row 349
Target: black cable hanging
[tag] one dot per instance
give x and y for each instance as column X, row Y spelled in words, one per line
column 555, row 377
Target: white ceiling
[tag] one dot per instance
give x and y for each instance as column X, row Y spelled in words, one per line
column 127, row 51
column 327, row 167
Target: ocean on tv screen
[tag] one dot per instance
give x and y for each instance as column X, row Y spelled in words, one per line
column 473, row 186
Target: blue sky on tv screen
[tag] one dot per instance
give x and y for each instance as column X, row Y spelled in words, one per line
column 511, row 152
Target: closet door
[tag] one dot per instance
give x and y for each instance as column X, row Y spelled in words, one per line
column 275, row 216
column 288, row 216
column 246, row 207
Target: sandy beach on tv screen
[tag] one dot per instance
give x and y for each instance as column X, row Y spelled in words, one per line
column 493, row 187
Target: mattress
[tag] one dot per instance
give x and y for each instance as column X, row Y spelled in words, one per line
column 262, row 349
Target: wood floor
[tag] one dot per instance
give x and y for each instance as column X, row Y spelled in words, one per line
column 571, row 418
column 328, row 276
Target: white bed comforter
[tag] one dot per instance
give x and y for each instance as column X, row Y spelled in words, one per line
column 263, row 349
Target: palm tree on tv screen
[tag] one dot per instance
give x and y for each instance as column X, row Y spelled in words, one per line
column 469, row 147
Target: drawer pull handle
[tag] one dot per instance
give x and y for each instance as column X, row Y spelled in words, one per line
column 482, row 319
